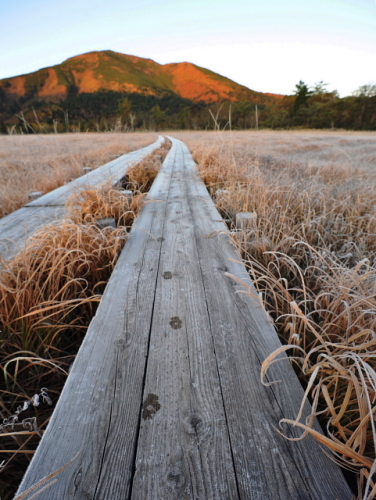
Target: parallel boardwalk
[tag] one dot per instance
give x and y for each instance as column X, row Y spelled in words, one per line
column 164, row 400
column 16, row 227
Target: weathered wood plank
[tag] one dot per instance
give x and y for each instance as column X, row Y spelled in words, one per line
column 243, row 337
column 98, row 411
column 183, row 449
column 18, row 226
column 113, row 170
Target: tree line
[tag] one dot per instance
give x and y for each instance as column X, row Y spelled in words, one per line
column 316, row 107
column 307, row 107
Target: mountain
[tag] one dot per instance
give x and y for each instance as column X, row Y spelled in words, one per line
column 112, row 71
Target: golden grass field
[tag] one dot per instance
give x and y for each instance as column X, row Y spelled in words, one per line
column 311, row 253
column 44, row 162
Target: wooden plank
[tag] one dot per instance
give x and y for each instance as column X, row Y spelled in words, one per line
column 18, row 226
column 113, row 170
column 173, row 457
column 183, row 449
column 164, row 399
column 243, row 337
column 98, row 412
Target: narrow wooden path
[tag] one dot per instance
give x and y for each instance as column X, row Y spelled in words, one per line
column 18, row 226
column 164, row 400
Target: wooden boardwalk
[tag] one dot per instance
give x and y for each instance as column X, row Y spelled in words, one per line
column 164, row 400
column 18, row 226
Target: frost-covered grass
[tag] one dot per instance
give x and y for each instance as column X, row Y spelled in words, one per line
column 312, row 256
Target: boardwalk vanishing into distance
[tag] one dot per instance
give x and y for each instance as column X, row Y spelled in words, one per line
column 18, row 226
column 164, row 399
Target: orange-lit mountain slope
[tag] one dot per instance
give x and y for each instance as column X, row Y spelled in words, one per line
column 108, row 70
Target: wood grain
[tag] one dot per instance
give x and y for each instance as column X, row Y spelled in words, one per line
column 183, row 449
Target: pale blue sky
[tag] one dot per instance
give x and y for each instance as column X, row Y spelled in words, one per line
column 267, row 45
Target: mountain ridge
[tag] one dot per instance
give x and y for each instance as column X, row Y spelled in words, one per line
column 113, row 71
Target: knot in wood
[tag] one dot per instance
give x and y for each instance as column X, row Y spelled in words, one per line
column 150, row 407
column 176, row 323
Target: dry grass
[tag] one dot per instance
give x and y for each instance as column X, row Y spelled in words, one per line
column 48, row 295
column 88, row 206
column 311, row 254
column 140, row 177
column 45, row 162
column 308, row 148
